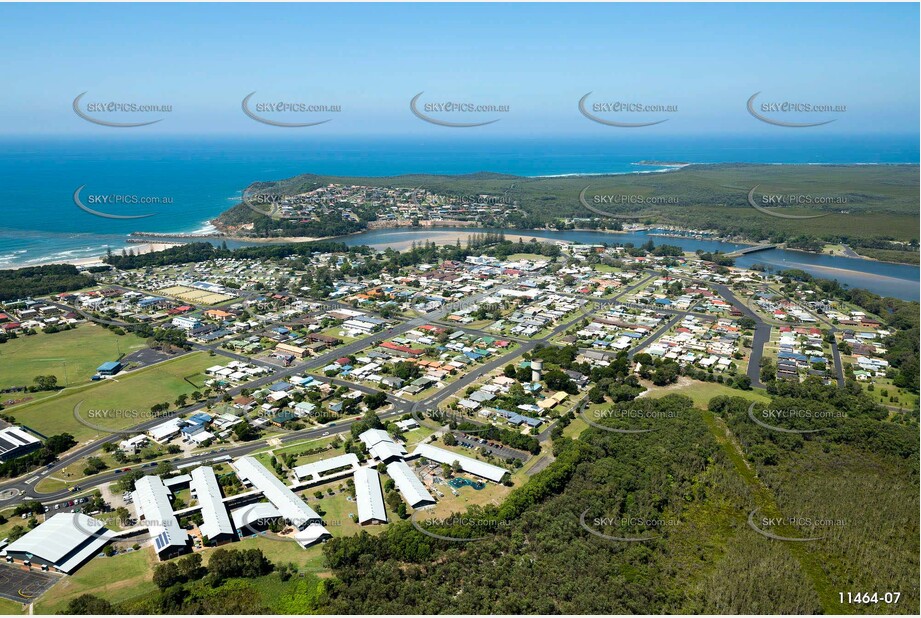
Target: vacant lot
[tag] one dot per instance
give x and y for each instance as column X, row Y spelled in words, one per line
column 126, row 399
column 702, row 392
column 71, row 355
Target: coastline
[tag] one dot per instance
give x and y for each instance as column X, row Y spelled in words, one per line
column 140, row 249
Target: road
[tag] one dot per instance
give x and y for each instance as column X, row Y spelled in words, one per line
column 759, row 339
column 25, row 485
column 400, row 406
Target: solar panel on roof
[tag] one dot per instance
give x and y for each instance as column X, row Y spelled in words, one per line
column 162, row 540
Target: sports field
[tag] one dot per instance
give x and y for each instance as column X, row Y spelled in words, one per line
column 125, row 400
column 71, row 355
column 195, row 296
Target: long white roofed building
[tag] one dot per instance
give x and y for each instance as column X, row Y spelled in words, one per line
column 315, row 471
column 152, row 501
column 467, row 464
column 294, row 510
column 217, row 526
column 370, row 497
column 411, row 488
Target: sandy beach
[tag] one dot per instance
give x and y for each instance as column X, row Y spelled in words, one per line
column 139, row 249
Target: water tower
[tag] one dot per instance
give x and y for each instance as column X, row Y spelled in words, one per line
column 536, row 368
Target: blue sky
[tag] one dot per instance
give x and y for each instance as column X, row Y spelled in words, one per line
column 538, row 59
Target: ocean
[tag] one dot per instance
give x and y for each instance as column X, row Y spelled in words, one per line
column 195, row 179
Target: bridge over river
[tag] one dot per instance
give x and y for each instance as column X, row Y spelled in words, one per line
column 740, row 252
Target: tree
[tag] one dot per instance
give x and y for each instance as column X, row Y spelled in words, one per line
column 46, row 383
column 190, row 567
column 166, row 574
column 88, row 604
column 375, row 400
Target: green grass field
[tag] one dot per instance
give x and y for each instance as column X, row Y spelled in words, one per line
column 133, row 391
column 71, row 355
column 702, row 392
column 10, row 608
column 115, row 579
column 534, row 257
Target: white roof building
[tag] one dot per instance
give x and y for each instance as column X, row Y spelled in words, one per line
column 152, row 501
column 369, row 497
column 247, row 518
column 314, row 533
column 291, row 507
column 165, row 431
column 15, row 441
column 64, row 541
column 381, row 446
column 207, row 491
column 411, row 488
column 315, row 470
column 467, row 464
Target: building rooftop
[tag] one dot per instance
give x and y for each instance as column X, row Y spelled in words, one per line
column 317, row 468
column 152, row 501
column 207, row 491
column 412, row 489
column 467, row 464
column 369, row 496
column 291, row 507
column 65, row 540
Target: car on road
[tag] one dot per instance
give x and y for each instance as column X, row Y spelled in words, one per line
column 57, row 506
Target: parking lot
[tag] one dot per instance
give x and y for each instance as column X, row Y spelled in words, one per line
column 490, row 448
column 22, row 585
column 147, row 356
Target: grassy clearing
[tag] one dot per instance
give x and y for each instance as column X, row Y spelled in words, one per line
column 10, row 608
column 883, row 389
column 116, row 579
column 71, row 355
column 702, row 392
column 136, row 391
